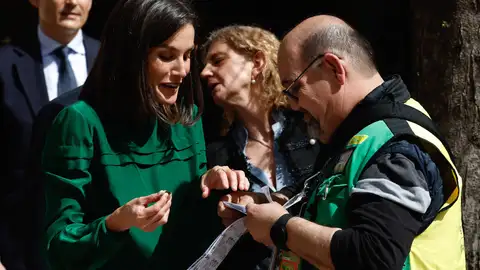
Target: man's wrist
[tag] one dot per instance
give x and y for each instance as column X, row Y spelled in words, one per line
column 278, row 232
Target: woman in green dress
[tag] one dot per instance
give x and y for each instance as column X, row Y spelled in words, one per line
column 123, row 164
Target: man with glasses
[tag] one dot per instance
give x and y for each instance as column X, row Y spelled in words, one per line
column 387, row 196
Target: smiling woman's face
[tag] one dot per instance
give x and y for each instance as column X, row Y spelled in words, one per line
column 169, row 63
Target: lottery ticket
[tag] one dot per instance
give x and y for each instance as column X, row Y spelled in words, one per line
column 219, row 249
column 240, row 208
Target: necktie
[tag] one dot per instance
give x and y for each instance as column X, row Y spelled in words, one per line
column 66, row 77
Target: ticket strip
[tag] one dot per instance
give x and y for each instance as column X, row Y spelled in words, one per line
column 219, row 249
column 222, row 245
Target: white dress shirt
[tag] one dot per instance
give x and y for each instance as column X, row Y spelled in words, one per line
column 76, row 57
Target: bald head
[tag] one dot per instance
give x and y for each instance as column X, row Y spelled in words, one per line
column 312, row 24
column 324, row 33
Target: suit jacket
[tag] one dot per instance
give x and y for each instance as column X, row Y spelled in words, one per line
column 34, row 175
column 23, row 93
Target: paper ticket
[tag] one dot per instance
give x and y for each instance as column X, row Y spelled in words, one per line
column 240, row 208
column 222, row 245
column 219, row 249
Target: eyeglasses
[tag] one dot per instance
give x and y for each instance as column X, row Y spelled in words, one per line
column 287, row 91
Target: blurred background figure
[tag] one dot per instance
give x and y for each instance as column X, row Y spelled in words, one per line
column 34, row 70
column 261, row 135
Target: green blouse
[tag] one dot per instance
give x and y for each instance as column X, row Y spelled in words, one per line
column 92, row 167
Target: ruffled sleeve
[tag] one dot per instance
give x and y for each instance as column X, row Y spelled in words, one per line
column 72, row 242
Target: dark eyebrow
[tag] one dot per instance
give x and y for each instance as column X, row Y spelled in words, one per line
column 215, row 55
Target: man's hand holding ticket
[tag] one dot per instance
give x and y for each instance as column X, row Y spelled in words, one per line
column 239, row 198
column 240, row 208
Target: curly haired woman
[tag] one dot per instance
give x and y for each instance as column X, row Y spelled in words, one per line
column 262, row 136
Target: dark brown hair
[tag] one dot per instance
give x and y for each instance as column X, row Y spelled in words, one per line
column 117, row 85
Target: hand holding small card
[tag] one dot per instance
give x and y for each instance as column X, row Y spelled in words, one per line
column 240, row 208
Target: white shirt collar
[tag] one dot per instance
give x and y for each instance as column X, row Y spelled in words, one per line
column 48, row 45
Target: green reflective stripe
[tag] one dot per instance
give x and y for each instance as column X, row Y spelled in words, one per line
column 406, row 264
column 327, row 205
column 378, row 134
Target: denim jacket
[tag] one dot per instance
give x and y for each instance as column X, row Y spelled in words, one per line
column 295, row 150
column 282, row 175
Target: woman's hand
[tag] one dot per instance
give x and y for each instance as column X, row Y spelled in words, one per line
column 145, row 213
column 222, row 177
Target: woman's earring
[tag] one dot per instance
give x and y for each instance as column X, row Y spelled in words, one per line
column 253, row 81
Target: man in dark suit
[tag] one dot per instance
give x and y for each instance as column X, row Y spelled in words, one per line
column 33, row 71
